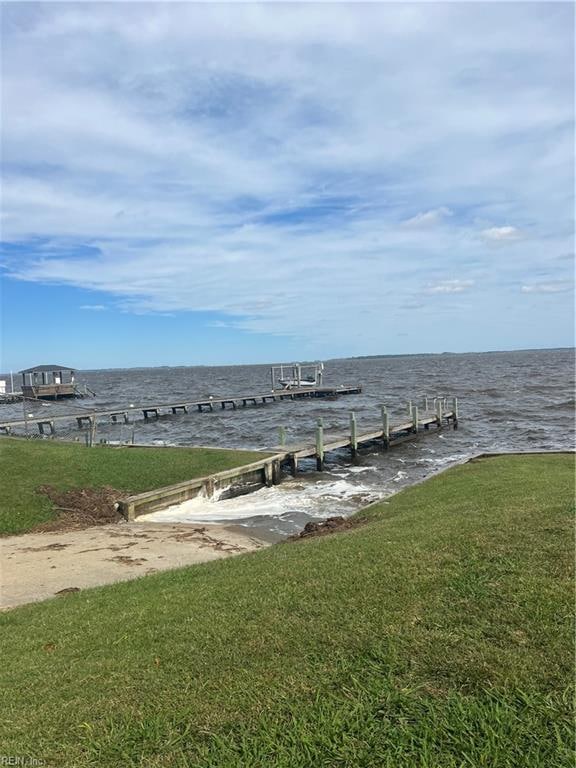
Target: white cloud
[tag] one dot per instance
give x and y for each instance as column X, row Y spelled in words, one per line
column 266, row 162
column 501, row 234
column 429, row 218
column 94, row 307
column 557, row 286
column 450, row 286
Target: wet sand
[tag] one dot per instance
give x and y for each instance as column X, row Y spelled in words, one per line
column 38, row 566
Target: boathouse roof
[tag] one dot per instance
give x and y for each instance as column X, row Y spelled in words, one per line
column 47, row 368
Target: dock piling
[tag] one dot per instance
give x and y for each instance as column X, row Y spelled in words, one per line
column 415, row 418
column 439, row 411
column 385, row 427
column 293, row 460
column 455, row 413
column 46, row 423
column 282, row 436
column 319, row 446
column 276, row 472
column 92, row 431
column 353, row 435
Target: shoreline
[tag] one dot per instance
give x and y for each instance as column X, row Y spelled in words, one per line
column 41, row 565
column 265, row 530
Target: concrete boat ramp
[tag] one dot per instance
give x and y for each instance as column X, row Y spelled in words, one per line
column 38, row 566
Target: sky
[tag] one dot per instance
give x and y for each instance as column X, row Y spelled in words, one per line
column 215, row 184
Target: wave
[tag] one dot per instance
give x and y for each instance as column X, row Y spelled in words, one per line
column 571, row 403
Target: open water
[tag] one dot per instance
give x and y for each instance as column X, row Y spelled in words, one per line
column 509, row 401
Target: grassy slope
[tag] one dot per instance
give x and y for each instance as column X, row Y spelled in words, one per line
column 25, row 465
column 437, row 635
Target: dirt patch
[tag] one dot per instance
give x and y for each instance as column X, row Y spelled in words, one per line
column 81, row 508
column 200, row 537
column 54, row 546
column 126, row 560
column 324, row 527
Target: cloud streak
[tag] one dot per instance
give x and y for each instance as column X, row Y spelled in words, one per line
column 450, row 286
column 501, row 234
column 560, row 286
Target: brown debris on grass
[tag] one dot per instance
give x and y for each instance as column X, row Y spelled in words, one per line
column 81, row 508
column 324, row 527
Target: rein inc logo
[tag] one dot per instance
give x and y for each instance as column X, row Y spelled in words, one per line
column 21, row 760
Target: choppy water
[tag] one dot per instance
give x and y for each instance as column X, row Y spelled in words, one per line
column 508, row 401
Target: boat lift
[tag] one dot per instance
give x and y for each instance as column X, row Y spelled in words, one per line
column 296, row 375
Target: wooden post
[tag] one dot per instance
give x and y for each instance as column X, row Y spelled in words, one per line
column 353, row 435
column 409, row 407
column 455, row 413
column 455, row 407
column 130, row 511
column 385, row 427
column 439, row 411
column 425, row 403
column 415, row 418
column 293, row 459
column 276, row 472
column 282, row 436
column 319, row 446
column 92, row 430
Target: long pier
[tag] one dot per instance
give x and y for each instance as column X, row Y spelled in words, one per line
column 46, row 425
column 268, row 470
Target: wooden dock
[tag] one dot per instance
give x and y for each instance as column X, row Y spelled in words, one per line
column 268, row 470
column 387, row 435
column 46, row 425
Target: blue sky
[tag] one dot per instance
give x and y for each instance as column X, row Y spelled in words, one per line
column 203, row 184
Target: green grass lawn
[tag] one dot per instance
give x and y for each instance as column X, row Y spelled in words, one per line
column 27, row 464
column 438, row 635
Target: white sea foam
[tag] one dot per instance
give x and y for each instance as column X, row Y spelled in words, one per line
column 352, row 470
column 319, row 499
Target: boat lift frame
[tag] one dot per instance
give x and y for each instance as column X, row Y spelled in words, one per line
column 296, row 375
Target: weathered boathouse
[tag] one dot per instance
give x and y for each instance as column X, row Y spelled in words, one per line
column 49, row 382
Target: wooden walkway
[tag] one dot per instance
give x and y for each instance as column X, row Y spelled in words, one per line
column 268, row 470
column 387, row 435
column 46, row 425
